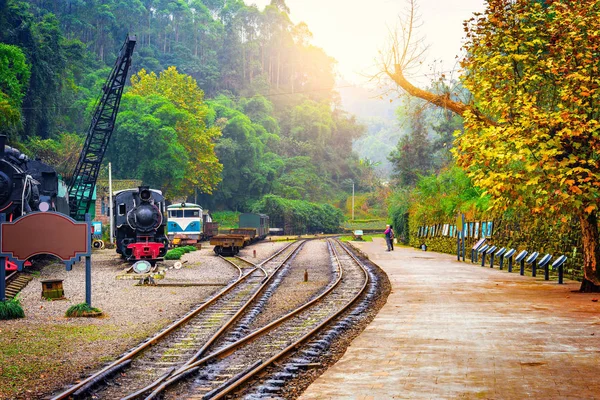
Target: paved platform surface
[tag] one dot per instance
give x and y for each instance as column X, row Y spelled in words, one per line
column 452, row 330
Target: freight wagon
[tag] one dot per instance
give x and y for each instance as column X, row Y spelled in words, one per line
column 252, row 227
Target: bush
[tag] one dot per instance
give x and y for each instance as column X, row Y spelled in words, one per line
column 11, row 309
column 174, row 254
column 82, row 310
column 177, row 252
column 299, row 216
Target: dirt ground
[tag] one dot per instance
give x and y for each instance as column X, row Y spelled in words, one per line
column 45, row 351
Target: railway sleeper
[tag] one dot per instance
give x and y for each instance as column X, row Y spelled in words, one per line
column 291, row 368
column 311, row 353
column 284, row 375
column 275, row 382
column 268, row 389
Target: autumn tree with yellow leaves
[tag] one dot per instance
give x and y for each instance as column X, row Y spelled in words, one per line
column 532, row 131
column 166, row 116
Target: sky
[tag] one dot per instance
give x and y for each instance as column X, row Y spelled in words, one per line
column 353, row 31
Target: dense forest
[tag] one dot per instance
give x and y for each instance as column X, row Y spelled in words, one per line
column 227, row 102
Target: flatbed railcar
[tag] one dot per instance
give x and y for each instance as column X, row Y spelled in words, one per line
column 252, row 227
column 227, row 244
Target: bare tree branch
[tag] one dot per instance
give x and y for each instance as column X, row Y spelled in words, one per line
column 404, row 53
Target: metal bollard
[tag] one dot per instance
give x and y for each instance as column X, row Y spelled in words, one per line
column 254, row 253
column 560, row 274
column 522, row 266
column 305, row 275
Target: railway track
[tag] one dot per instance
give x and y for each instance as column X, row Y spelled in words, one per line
column 186, row 339
column 15, row 282
column 226, row 369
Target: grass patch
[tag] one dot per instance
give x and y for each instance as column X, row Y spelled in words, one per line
column 366, row 238
column 11, row 309
column 31, row 356
column 82, row 310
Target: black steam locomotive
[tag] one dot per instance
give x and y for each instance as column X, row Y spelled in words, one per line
column 27, row 185
column 140, row 224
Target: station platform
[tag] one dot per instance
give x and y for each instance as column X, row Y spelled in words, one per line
column 454, row 330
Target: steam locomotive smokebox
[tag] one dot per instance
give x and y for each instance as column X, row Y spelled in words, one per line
column 52, row 289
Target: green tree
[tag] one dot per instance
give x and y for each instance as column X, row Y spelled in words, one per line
column 196, row 138
column 61, row 152
column 413, row 154
column 532, row 135
column 148, row 122
column 14, row 79
column 248, row 165
column 166, row 116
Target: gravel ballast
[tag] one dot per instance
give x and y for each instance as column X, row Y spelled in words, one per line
column 293, row 291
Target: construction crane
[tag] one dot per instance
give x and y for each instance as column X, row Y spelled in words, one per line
column 81, row 187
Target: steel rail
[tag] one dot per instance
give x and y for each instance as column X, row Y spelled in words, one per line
column 265, row 282
column 257, row 265
column 225, row 351
column 183, row 369
column 153, row 340
column 178, row 323
column 10, row 276
column 238, row 382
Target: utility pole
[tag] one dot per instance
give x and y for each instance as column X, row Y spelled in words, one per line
column 352, row 200
column 110, row 202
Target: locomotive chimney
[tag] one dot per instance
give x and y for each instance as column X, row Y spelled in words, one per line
column 2, row 144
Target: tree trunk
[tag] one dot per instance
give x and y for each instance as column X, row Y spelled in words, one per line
column 262, row 59
column 278, row 67
column 591, row 252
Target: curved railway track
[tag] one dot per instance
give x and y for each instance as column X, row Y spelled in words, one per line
column 226, row 369
column 187, row 338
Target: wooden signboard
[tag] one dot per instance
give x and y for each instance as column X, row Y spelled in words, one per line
column 45, row 233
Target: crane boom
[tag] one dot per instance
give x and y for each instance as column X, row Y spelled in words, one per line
column 81, row 188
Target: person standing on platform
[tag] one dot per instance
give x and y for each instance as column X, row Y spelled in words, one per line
column 388, row 237
column 392, row 236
